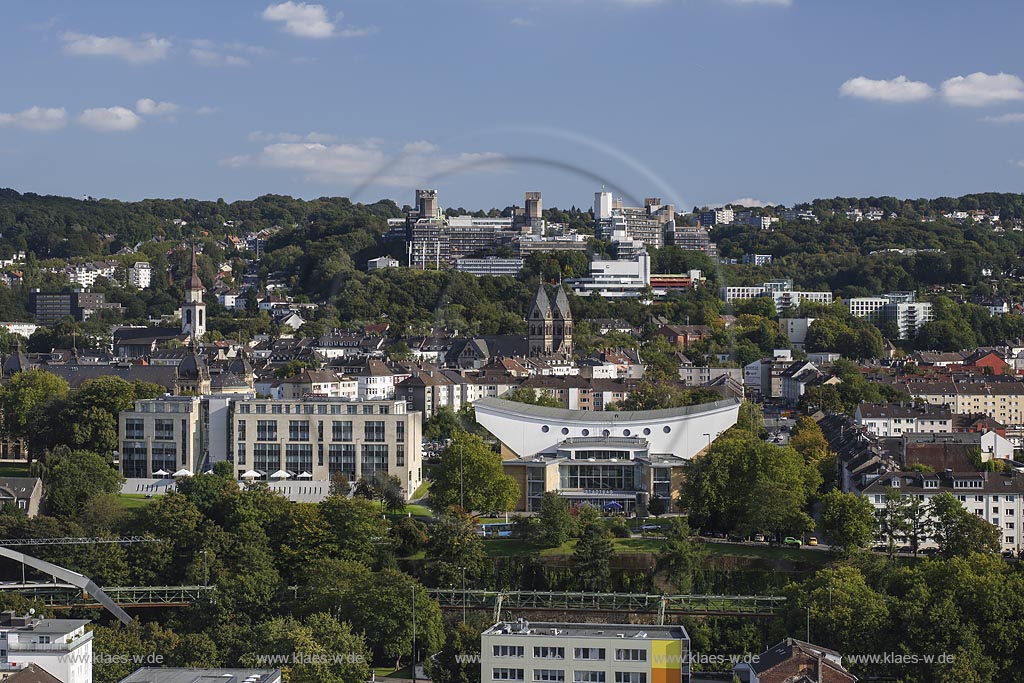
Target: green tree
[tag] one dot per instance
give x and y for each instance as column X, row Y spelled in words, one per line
column 74, row 477
column 452, row 665
column 592, row 558
column 455, row 546
column 848, row 520
column 443, row 424
column 958, row 532
column 554, row 520
column 532, row 397
column 29, row 399
column 680, row 557
column 470, row 475
column 355, row 525
column 320, row 649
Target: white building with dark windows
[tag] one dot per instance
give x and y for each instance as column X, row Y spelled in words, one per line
column 584, row 653
column 62, row 647
column 994, row 497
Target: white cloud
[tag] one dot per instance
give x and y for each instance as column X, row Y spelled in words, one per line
column 206, row 110
column 520, row 21
column 209, row 53
column 420, row 147
column 749, row 202
column 36, row 118
column 149, row 107
column 142, row 51
column 307, row 20
column 360, row 162
column 262, row 136
column 980, row 89
column 1005, row 118
column 110, row 119
column 899, row 89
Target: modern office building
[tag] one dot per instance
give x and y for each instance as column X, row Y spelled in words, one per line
column 317, row 438
column 166, row 434
column 61, row 647
column 584, row 653
column 49, row 308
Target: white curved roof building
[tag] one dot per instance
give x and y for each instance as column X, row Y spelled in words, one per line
column 527, row 430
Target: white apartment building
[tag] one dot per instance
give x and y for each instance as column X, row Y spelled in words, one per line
column 994, row 497
column 896, row 419
column 1002, row 401
column 491, row 265
column 382, row 262
column 781, row 291
column 60, row 646
column 25, row 330
column 317, row 438
column 900, row 308
column 584, row 653
column 140, row 275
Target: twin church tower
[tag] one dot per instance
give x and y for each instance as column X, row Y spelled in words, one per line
column 550, row 324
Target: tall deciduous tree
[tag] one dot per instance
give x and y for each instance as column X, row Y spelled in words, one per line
column 454, row 546
column 680, row 557
column 73, row 477
column 554, row 520
column 958, row 532
column 471, row 476
column 848, row 520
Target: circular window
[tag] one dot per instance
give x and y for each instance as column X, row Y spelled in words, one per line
column 666, row 429
column 565, row 430
column 647, row 431
column 585, row 432
column 545, row 429
column 605, row 432
column 626, row 432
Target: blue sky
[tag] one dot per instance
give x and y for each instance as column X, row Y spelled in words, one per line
column 696, row 101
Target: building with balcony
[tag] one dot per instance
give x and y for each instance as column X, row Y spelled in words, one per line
column 166, row 434
column 584, row 653
column 61, row 647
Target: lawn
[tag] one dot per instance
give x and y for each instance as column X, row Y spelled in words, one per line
column 768, row 552
column 391, row 672
column 515, row 547
column 14, row 469
column 422, row 490
column 134, row 501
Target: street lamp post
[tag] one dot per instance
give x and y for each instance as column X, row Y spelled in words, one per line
column 462, row 489
column 413, row 634
column 463, row 595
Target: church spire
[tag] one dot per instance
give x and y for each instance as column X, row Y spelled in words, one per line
column 194, row 283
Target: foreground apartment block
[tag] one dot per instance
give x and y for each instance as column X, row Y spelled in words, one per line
column 584, row 653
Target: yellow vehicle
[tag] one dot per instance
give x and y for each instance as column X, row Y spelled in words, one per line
column 812, row 540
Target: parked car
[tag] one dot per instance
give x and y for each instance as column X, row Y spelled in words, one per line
column 812, row 541
column 789, row 540
column 760, row 538
column 650, row 527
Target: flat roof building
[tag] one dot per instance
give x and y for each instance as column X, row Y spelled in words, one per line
column 584, row 653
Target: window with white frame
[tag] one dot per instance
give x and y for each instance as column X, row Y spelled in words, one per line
column 506, row 674
column 507, row 650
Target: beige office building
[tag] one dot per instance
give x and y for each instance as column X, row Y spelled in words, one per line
column 319, row 437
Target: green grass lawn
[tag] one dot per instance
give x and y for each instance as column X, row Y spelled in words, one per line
column 769, row 552
column 422, row 490
column 14, row 469
column 391, row 672
column 515, row 547
column 418, row 511
column 134, row 501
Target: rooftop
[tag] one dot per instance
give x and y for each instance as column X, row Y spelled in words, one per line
column 182, row 675
column 546, row 629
